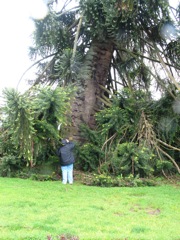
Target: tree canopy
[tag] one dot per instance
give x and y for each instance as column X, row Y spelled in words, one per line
column 143, row 35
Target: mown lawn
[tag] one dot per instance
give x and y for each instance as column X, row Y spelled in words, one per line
column 35, row 210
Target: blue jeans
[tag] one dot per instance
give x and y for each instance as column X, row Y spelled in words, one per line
column 67, row 174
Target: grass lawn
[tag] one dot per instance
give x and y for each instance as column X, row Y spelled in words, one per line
column 32, row 210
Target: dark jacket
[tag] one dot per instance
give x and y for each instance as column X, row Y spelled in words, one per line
column 66, row 155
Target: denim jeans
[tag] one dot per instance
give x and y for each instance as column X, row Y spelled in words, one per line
column 67, row 174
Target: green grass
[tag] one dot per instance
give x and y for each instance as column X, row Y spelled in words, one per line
column 34, row 210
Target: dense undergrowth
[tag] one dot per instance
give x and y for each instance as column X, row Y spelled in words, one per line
column 135, row 139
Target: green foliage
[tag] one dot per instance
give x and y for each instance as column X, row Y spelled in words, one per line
column 89, row 157
column 51, row 108
column 124, row 143
column 19, row 173
column 94, row 17
column 30, row 122
column 93, row 136
column 66, row 68
column 9, row 164
column 51, row 104
column 124, row 112
column 43, row 178
column 130, row 158
column 124, row 19
column 113, row 120
column 104, row 180
column 19, row 122
column 52, row 34
column 89, row 154
column 164, row 165
column 166, row 118
column 124, row 24
column 173, row 50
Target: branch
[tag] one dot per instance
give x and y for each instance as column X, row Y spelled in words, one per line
column 167, row 145
column 107, row 103
column 151, row 59
column 62, row 13
column 33, row 66
column 113, row 136
column 161, row 83
column 39, row 78
column 76, row 37
column 105, row 89
column 166, row 69
column 172, row 160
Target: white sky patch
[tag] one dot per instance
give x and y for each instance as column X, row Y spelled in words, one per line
column 37, row 9
column 168, row 31
column 174, row 3
column 176, row 106
column 16, row 29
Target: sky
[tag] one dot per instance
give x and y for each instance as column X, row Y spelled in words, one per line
column 16, row 29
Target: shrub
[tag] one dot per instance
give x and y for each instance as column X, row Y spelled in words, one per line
column 129, row 158
column 89, row 156
column 37, row 176
column 41, row 177
column 104, row 180
column 164, row 165
column 9, row 164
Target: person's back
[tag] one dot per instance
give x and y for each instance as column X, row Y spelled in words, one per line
column 67, row 160
column 67, row 156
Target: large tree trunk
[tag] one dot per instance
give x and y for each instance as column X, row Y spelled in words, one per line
column 94, row 73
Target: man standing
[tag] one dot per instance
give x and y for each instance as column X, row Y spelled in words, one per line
column 66, row 160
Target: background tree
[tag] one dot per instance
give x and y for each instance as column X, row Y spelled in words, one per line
column 107, row 44
column 29, row 126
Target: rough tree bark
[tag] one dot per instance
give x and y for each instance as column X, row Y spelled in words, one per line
column 93, row 74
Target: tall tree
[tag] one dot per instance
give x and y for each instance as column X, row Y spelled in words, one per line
column 104, row 45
